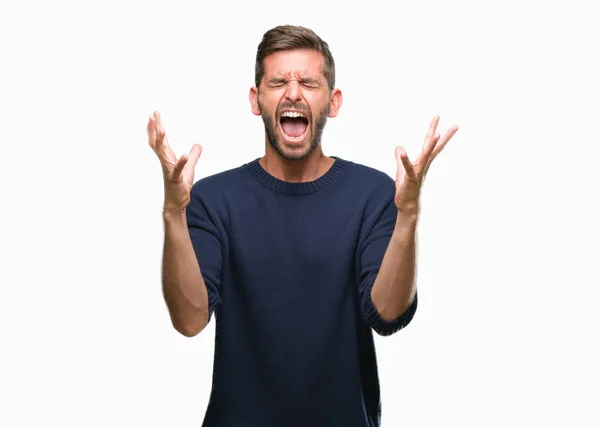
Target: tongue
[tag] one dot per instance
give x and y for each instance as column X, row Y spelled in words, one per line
column 293, row 127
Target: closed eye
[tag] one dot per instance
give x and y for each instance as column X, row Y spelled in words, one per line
column 310, row 83
column 277, row 82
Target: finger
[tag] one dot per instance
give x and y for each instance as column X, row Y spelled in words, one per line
column 179, row 167
column 162, row 142
column 157, row 120
column 426, row 154
column 151, row 130
column 162, row 147
column 402, row 159
column 443, row 142
column 399, row 150
column 440, row 146
column 410, row 171
column 195, row 152
column 432, row 128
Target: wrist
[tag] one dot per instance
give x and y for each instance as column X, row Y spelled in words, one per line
column 173, row 212
column 407, row 217
column 408, row 210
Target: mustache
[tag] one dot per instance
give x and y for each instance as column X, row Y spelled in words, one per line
column 290, row 106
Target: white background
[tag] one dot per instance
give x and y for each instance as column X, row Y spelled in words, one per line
column 507, row 328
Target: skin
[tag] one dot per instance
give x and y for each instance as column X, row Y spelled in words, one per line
column 294, row 79
column 183, row 285
column 395, row 286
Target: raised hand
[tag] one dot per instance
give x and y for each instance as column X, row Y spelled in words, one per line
column 178, row 173
column 410, row 176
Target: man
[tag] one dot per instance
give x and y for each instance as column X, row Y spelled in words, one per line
column 299, row 255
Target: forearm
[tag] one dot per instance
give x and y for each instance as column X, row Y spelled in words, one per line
column 183, row 285
column 395, row 285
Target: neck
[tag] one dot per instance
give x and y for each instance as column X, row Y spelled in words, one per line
column 306, row 170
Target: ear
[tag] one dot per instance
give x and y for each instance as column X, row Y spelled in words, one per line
column 335, row 102
column 254, row 101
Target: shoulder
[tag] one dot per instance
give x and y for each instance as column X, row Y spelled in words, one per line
column 218, row 184
column 373, row 192
column 211, row 195
column 373, row 183
column 377, row 176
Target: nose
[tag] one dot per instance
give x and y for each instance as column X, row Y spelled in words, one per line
column 293, row 92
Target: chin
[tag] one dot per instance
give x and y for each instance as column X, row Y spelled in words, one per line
column 293, row 151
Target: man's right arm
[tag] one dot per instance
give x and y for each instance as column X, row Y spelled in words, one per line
column 183, row 285
column 184, row 289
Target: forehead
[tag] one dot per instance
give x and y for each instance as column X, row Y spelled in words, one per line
column 302, row 62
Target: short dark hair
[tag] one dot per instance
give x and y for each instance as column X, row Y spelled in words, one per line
column 287, row 37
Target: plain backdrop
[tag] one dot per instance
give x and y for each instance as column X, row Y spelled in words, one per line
column 507, row 328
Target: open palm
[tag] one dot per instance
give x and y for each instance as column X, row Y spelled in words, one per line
column 410, row 175
column 178, row 173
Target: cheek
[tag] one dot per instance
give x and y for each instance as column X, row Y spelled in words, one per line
column 270, row 104
column 264, row 107
column 317, row 106
column 316, row 99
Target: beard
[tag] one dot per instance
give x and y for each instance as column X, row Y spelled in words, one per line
column 317, row 124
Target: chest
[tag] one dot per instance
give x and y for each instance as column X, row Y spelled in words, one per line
column 293, row 238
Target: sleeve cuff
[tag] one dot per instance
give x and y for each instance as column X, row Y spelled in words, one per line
column 387, row 327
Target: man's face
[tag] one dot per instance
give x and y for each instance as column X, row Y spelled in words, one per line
column 294, row 102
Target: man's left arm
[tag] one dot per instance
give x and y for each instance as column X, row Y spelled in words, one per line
column 395, row 289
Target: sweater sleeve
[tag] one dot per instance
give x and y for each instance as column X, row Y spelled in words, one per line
column 206, row 241
column 371, row 254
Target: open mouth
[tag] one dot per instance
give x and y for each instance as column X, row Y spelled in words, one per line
column 294, row 125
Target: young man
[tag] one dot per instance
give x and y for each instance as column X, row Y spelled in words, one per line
column 299, row 255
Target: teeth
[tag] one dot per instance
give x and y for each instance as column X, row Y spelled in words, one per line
column 292, row 114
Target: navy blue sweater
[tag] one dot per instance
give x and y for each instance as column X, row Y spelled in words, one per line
column 289, row 269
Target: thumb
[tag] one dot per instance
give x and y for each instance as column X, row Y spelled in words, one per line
column 399, row 152
column 195, row 153
column 191, row 164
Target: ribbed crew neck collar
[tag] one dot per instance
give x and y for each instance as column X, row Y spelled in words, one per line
column 297, row 188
